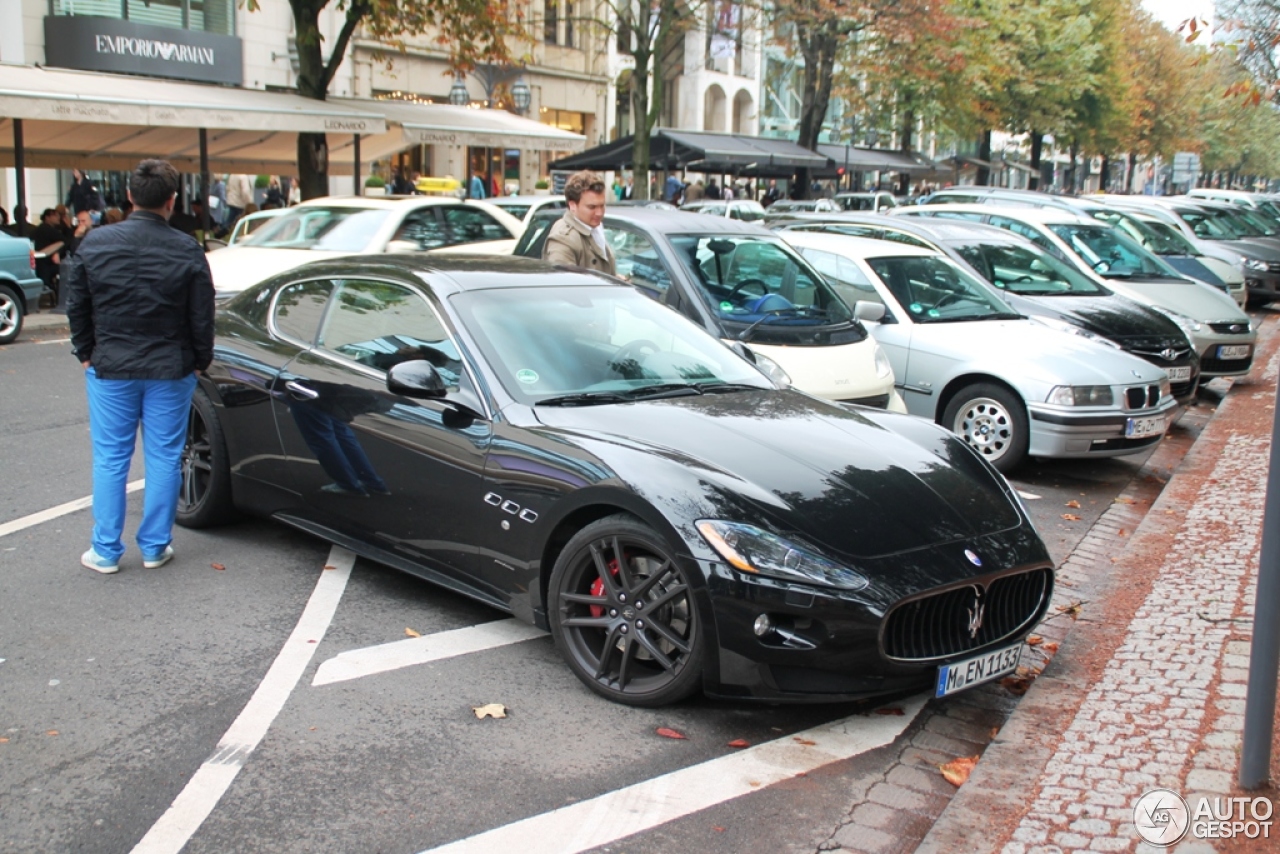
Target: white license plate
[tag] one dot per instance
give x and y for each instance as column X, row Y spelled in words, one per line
column 975, row 671
column 1136, row 428
column 1179, row 375
column 1233, row 351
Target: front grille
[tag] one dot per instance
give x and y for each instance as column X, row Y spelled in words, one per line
column 939, row 626
column 1182, row 389
column 1122, row 444
column 879, row 401
column 1211, row 366
column 1230, row 328
column 1164, row 355
column 1142, row 397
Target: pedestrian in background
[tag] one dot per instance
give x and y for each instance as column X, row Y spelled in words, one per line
column 83, row 196
column 239, row 197
column 140, row 305
column 475, row 187
column 295, row 192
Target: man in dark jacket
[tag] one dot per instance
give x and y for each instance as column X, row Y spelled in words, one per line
column 140, row 304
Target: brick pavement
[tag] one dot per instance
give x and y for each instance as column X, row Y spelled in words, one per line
column 1148, row 689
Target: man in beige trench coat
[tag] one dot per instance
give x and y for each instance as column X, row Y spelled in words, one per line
column 578, row 238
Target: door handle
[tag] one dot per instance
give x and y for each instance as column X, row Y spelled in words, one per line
column 297, row 389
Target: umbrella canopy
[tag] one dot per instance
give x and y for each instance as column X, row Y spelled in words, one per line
column 697, row 151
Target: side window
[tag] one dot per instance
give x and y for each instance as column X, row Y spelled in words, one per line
column 423, row 229
column 299, row 308
column 472, row 225
column 638, row 260
column 380, row 324
column 535, row 236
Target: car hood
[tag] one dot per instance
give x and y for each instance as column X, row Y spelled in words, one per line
column 238, row 268
column 1197, row 301
column 831, row 475
column 1025, row 349
column 1191, row 267
column 1112, row 316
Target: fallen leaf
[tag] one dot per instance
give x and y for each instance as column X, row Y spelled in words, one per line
column 217, row 566
column 491, row 710
column 1071, row 517
column 52, row 732
column 1016, row 685
column 1072, row 610
column 329, row 566
column 995, row 730
column 739, row 742
column 667, row 732
column 957, row 771
column 1034, row 640
column 1123, row 500
column 1074, row 503
column 753, row 783
column 1122, row 533
column 312, row 729
column 1051, row 647
column 891, row 710
column 4, row 740
column 411, row 633
column 717, row 828
column 798, row 740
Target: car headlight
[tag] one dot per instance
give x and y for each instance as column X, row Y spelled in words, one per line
column 750, row 549
column 772, row 370
column 1072, row 329
column 1188, row 325
column 883, row 368
column 1253, row 264
column 1082, row 395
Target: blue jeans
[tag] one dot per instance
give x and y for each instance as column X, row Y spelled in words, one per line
column 116, row 407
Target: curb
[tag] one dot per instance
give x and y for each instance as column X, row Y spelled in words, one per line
column 1005, row 782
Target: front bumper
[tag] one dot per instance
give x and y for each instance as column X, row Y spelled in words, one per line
column 827, row 644
column 1212, row 361
column 1061, row 432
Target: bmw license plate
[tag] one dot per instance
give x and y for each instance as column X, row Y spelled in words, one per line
column 974, row 671
column 1137, row 428
column 1233, row 351
column 1179, row 375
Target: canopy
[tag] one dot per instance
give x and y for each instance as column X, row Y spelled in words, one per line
column 698, row 151
column 105, row 121
column 854, row 159
column 414, row 123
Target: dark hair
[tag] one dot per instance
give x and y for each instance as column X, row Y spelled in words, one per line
column 582, row 182
column 48, row 212
column 153, row 183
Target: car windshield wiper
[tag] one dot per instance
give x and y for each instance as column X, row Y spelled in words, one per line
column 661, row 390
column 793, row 311
column 719, row 388
column 586, row 398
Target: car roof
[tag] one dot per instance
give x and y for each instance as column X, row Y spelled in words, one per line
column 685, row 222
column 860, row 247
column 381, row 202
column 924, row 226
column 1043, row 216
column 526, row 199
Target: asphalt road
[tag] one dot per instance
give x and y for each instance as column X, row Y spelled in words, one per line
column 116, row 692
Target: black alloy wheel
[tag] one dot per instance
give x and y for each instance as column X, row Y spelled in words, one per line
column 623, row 614
column 204, row 498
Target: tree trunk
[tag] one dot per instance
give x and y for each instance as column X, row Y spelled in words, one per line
column 819, row 51
column 313, row 148
column 1130, row 164
column 1037, row 152
column 984, row 154
column 1072, row 171
column 908, row 137
column 1104, row 179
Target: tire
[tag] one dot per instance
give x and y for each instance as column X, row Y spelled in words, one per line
column 204, row 500
column 12, row 315
column 631, row 631
column 993, row 421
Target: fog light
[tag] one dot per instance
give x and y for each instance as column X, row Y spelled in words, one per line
column 763, row 625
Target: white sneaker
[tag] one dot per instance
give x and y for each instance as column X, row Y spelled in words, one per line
column 157, row 561
column 98, row 563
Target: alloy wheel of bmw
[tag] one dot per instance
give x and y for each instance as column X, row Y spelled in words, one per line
column 624, row 615
column 992, row 421
column 10, row 316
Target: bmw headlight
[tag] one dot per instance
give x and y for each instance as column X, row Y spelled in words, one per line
column 759, row 552
column 1188, row 325
column 1082, row 395
column 772, row 370
column 1072, row 329
column 883, row 368
column 1254, row 264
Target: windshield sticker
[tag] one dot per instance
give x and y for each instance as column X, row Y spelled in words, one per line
column 527, row 376
column 916, row 308
column 726, row 306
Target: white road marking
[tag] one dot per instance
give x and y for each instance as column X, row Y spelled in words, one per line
column 356, row 663
column 52, row 341
column 54, row 512
column 642, row 806
column 214, row 777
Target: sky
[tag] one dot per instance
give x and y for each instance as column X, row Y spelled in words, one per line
column 1173, row 12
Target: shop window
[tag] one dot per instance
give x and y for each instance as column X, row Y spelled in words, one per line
column 210, row 16
column 568, row 23
column 551, row 22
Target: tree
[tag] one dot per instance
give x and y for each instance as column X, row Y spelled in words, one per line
column 472, row 30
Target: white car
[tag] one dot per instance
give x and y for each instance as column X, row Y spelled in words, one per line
column 331, row 227
column 1222, row 334
column 742, row 209
column 524, row 207
column 1006, row 384
column 251, row 222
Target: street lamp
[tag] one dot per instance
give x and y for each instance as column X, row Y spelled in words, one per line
column 521, row 95
column 458, row 94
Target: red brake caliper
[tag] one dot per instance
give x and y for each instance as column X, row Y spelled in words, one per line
column 597, row 587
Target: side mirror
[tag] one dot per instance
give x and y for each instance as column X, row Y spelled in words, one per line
column 416, row 378
column 401, row 247
column 870, row 312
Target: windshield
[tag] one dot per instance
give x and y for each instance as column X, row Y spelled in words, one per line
column 1112, row 254
column 1153, row 241
column 932, row 289
column 857, row 203
column 1169, row 238
column 746, row 211
column 1026, row 270
column 759, row 283
column 547, row 342
column 1257, row 225
column 1210, row 225
column 336, row 229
